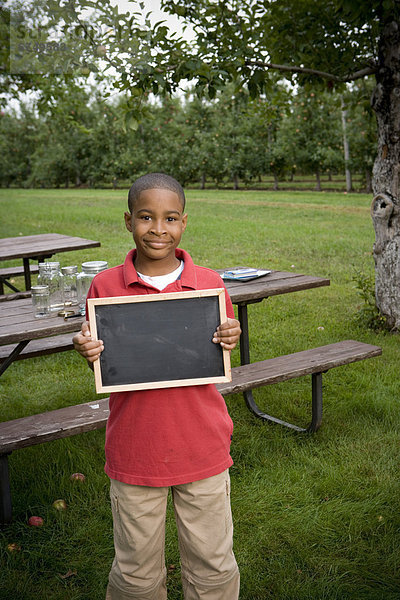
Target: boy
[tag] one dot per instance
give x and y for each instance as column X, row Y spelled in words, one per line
column 176, row 438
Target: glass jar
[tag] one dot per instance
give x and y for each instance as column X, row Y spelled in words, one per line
column 84, row 279
column 50, row 274
column 41, row 300
column 69, row 285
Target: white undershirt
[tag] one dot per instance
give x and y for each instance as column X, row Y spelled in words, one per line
column 161, row 281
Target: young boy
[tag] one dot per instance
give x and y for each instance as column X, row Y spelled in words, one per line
column 176, row 438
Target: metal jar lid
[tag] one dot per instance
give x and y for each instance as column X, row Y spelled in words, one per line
column 51, row 266
column 39, row 290
column 70, row 270
column 94, row 266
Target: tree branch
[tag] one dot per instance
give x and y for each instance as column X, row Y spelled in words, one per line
column 330, row 76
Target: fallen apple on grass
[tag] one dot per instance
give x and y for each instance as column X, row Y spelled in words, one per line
column 35, row 521
column 60, row 504
column 77, row 477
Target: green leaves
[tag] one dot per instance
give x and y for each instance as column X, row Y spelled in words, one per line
column 131, row 120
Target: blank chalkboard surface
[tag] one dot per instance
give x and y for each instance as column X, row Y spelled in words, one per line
column 159, row 340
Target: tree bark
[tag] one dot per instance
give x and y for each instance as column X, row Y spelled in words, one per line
column 368, row 181
column 385, row 208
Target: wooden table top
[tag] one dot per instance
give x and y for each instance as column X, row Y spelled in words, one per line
column 17, row 322
column 273, row 284
column 44, row 244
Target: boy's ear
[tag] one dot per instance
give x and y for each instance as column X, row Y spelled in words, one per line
column 128, row 221
column 184, row 222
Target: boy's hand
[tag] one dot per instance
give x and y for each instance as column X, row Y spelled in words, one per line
column 228, row 334
column 83, row 343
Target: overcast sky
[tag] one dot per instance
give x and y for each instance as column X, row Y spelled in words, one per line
column 157, row 14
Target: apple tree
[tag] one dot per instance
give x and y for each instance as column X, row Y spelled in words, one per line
column 330, row 44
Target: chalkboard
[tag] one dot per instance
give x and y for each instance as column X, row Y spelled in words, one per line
column 159, row 340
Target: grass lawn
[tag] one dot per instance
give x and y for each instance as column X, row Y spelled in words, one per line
column 316, row 516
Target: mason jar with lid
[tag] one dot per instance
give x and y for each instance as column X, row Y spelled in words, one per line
column 40, row 301
column 69, row 284
column 84, row 279
column 50, row 274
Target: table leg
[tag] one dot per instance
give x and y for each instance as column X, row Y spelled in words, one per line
column 17, row 350
column 9, row 285
column 316, row 410
column 248, row 394
column 245, row 360
column 5, row 494
column 27, row 274
column 244, row 338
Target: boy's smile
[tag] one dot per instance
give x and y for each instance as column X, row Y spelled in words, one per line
column 157, row 223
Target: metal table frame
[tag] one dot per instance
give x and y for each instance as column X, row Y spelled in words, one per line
column 316, row 381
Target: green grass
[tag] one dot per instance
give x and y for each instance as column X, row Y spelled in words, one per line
column 299, row 182
column 316, row 516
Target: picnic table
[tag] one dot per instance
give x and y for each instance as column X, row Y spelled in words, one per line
column 36, row 247
column 18, row 326
column 243, row 293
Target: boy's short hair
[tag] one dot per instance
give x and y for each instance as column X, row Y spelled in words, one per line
column 155, row 181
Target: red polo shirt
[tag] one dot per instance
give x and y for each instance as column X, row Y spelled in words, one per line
column 166, row 436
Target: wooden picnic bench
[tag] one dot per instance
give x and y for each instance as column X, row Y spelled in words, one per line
column 71, row 420
column 16, row 296
column 41, row 347
column 7, row 273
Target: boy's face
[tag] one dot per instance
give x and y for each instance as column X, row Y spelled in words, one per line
column 157, row 223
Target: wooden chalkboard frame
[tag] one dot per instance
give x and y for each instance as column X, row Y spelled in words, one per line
column 130, row 381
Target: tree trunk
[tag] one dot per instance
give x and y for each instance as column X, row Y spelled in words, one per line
column 235, row 182
column 385, row 208
column 203, row 181
column 276, row 182
column 318, row 181
column 368, row 181
column 346, row 149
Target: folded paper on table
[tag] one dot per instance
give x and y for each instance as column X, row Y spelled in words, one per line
column 243, row 274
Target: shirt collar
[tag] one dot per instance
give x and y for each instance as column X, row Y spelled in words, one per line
column 188, row 277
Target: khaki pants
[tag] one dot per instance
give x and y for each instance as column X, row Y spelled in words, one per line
column 204, row 522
